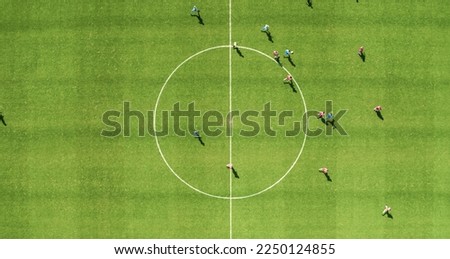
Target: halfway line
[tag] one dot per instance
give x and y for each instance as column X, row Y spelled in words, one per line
column 231, row 120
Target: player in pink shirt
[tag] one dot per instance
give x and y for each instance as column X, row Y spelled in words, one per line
column 276, row 56
column 324, row 170
column 320, row 115
column 288, row 79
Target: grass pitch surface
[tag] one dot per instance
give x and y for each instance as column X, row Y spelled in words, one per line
column 64, row 64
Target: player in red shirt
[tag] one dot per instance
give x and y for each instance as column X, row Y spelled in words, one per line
column 377, row 110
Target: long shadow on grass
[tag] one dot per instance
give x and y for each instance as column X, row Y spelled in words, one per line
column 309, row 3
column 389, row 215
column 2, row 118
column 269, row 36
column 235, row 173
column 201, row 141
column 363, row 57
column 291, row 61
column 200, row 19
column 238, row 51
column 328, row 178
column 379, row 115
column 292, row 86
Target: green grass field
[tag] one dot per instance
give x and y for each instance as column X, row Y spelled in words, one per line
column 65, row 63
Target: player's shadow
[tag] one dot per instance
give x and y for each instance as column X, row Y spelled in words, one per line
column 269, row 36
column 235, row 173
column 293, row 87
column 389, row 215
column 363, row 57
column 330, row 122
column 323, row 121
column 309, row 3
column 379, row 115
column 201, row 141
column 238, row 51
column 328, row 178
column 2, row 118
column 200, row 19
column 291, row 61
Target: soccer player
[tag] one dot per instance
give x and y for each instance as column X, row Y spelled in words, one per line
column 231, row 167
column 320, row 115
column 276, row 56
column 288, row 79
column 235, row 46
column 288, row 53
column 265, row 28
column 377, row 110
column 330, row 119
column 2, row 118
column 386, row 211
column 323, row 170
column 197, row 136
column 195, row 11
column 361, row 51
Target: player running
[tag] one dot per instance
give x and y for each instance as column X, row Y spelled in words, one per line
column 361, row 51
column 320, row 115
column 288, row 79
column 288, row 53
column 323, row 170
column 377, row 108
column 276, row 56
column 386, row 211
column 195, row 11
